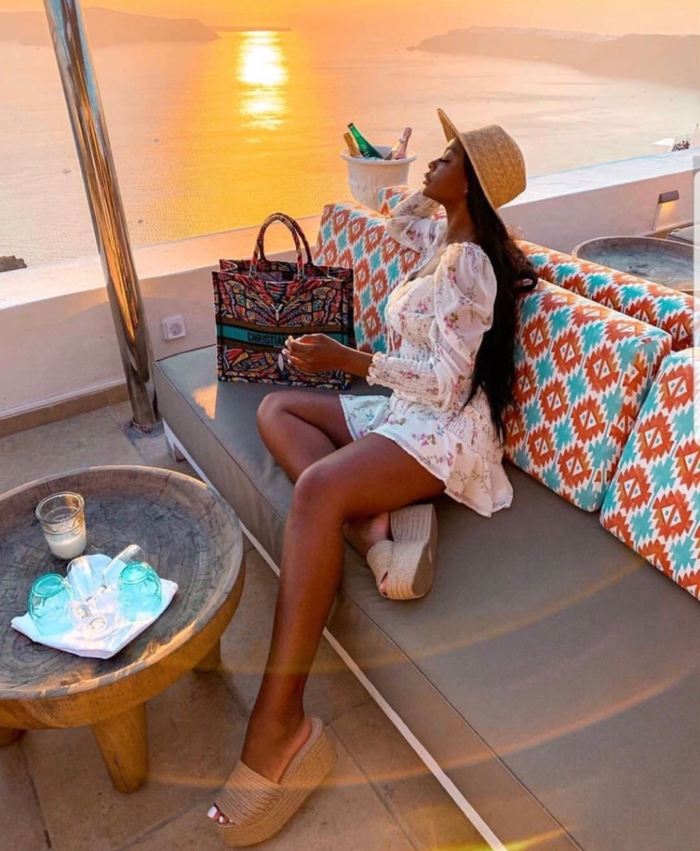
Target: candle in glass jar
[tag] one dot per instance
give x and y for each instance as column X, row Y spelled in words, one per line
column 67, row 545
column 62, row 518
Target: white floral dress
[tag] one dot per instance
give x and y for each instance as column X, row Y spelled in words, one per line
column 440, row 319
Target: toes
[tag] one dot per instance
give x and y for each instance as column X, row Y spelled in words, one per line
column 217, row 816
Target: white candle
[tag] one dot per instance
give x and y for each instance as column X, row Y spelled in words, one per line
column 68, row 545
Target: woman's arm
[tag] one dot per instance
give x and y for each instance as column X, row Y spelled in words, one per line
column 314, row 353
column 412, row 225
column 358, row 363
column 416, row 206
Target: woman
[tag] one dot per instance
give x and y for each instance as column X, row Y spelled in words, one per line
column 358, row 462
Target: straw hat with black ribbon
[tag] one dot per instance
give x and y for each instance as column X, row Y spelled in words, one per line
column 496, row 157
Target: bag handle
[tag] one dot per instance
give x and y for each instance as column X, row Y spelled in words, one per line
column 297, row 233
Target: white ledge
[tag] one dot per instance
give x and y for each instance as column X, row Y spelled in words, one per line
column 606, row 175
column 82, row 274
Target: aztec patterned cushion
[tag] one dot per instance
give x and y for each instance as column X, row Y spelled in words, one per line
column 649, row 302
column 351, row 235
column 653, row 504
column 583, row 372
column 390, row 197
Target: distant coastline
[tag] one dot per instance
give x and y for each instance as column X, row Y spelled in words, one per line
column 105, row 28
column 671, row 59
column 252, row 29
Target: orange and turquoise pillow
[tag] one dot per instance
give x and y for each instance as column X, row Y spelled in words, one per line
column 653, row 503
column 351, row 235
column 644, row 300
column 390, row 197
column 582, row 374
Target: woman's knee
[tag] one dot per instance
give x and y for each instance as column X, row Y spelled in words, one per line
column 270, row 409
column 318, row 490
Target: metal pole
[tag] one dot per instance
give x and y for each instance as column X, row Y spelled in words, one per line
column 108, row 220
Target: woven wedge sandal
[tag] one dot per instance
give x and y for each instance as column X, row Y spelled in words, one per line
column 257, row 808
column 408, row 561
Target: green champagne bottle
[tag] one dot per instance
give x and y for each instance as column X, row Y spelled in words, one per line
column 368, row 151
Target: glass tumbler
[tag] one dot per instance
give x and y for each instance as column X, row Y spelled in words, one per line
column 139, row 591
column 129, row 555
column 62, row 518
column 81, row 578
column 49, row 604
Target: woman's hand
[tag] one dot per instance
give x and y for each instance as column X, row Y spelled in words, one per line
column 313, row 353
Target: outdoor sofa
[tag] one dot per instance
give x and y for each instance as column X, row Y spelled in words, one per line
column 550, row 677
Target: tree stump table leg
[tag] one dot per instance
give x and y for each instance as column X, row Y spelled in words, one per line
column 211, row 661
column 8, row 736
column 124, row 748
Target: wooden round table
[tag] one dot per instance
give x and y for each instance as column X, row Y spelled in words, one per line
column 190, row 535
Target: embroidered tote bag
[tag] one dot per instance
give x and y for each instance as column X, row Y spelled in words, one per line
column 261, row 302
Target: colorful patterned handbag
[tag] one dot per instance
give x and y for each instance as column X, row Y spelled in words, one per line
column 260, row 302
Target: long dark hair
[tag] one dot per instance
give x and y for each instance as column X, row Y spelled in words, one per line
column 494, row 370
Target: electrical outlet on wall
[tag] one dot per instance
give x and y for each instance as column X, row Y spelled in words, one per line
column 174, row 328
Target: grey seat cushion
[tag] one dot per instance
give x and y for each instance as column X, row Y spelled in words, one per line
column 551, row 672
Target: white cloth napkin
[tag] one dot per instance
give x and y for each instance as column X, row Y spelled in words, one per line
column 109, row 644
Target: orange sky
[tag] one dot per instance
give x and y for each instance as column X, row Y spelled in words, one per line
column 412, row 19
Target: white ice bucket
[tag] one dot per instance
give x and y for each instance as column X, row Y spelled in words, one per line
column 365, row 177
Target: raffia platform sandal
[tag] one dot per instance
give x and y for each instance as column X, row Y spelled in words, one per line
column 257, row 808
column 407, row 562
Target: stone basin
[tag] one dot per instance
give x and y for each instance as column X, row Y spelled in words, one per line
column 660, row 260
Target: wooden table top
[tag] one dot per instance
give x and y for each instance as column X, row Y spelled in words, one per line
column 189, row 534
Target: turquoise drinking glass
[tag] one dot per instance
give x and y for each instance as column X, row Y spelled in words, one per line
column 49, row 604
column 139, row 591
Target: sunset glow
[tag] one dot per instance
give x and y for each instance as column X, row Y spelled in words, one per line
column 263, row 73
column 262, row 61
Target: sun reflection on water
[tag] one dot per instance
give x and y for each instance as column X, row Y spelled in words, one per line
column 263, row 75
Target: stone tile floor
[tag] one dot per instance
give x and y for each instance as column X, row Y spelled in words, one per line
column 54, row 790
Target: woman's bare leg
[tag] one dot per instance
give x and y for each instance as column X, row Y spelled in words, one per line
column 365, row 478
column 300, row 427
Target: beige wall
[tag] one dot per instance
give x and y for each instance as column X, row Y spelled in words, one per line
column 64, row 346
column 57, row 337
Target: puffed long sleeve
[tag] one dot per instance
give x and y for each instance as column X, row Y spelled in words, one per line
column 465, row 291
column 412, row 225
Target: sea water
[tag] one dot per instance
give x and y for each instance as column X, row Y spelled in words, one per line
column 212, row 136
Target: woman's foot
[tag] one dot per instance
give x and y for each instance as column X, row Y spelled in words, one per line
column 253, row 809
column 364, row 533
column 268, row 755
column 405, row 566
